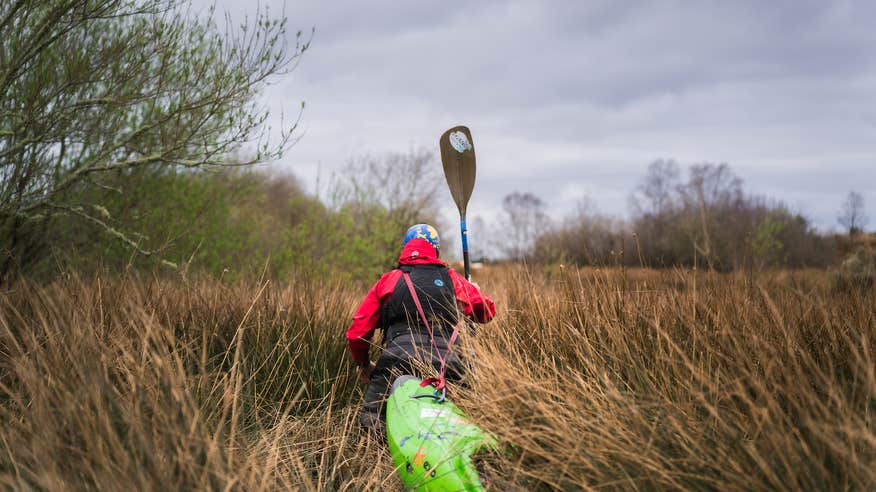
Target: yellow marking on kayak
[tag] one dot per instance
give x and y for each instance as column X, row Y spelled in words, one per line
column 419, row 457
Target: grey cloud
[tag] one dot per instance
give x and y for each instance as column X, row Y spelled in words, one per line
column 564, row 96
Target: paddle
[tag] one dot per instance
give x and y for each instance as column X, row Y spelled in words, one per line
column 458, row 159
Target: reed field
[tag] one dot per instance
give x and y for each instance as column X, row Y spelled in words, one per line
column 590, row 378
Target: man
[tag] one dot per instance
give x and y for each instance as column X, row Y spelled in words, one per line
column 442, row 294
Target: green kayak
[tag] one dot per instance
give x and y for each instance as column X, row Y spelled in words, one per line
column 432, row 441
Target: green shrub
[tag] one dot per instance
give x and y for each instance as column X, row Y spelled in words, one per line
column 231, row 225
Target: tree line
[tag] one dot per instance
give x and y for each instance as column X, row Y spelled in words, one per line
column 237, row 223
column 703, row 217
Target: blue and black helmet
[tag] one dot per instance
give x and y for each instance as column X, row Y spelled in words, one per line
column 423, row 231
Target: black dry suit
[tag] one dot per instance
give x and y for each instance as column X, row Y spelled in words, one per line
column 406, row 340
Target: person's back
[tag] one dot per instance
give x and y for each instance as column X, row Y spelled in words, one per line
column 391, row 304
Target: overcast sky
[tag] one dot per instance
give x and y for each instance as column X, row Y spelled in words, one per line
column 573, row 99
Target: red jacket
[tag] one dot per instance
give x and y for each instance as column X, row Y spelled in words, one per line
column 472, row 302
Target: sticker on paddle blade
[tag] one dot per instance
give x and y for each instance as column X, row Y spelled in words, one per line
column 459, row 142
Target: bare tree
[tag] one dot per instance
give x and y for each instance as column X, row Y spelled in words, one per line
column 710, row 188
column 654, row 194
column 97, row 89
column 405, row 184
column 584, row 237
column 524, row 219
column 852, row 215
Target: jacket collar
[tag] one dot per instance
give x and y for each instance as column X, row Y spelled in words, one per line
column 419, row 252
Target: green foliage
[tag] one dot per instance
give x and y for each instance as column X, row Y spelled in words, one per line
column 231, row 224
column 183, row 216
column 766, row 245
column 97, row 90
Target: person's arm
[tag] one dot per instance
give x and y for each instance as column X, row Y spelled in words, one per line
column 368, row 315
column 475, row 304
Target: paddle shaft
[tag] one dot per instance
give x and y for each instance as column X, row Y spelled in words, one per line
column 464, row 232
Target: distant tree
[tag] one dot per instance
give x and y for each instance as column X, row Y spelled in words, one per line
column 706, row 220
column 677, row 222
column 653, row 206
column 406, row 184
column 765, row 240
column 852, row 215
column 480, row 246
column 584, row 237
column 95, row 90
column 383, row 195
column 711, row 190
column 523, row 220
column 654, row 195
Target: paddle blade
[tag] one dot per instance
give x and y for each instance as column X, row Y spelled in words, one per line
column 458, row 158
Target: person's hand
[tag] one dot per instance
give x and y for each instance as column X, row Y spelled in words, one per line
column 364, row 372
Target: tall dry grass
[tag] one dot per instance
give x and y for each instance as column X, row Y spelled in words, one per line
column 682, row 381
column 164, row 385
column 592, row 379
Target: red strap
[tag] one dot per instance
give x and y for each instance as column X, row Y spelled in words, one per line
column 439, row 383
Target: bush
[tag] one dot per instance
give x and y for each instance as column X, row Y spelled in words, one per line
column 857, row 270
